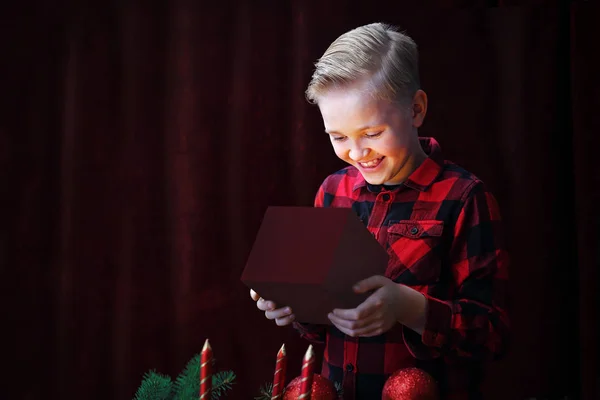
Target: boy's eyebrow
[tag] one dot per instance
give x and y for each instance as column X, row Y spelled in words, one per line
column 362, row 128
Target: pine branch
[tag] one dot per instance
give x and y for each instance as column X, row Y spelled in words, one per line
column 187, row 384
column 155, row 386
column 339, row 390
column 221, row 383
column 266, row 391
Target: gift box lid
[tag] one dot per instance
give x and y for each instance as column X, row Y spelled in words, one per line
column 309, row 258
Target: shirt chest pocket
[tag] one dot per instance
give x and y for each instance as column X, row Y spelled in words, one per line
column 414, row 247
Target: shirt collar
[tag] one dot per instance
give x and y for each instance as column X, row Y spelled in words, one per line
column 424, row 176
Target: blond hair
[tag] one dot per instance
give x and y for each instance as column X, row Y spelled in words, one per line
column 375, row 52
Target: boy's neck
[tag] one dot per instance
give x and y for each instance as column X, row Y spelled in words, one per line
column 414, row 161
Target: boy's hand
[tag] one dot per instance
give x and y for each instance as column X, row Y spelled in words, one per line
column 282, row 316
column 377, row 314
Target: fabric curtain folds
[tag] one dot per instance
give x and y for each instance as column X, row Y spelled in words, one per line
column 141, row 145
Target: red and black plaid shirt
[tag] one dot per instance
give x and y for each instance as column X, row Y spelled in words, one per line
column 442, row 230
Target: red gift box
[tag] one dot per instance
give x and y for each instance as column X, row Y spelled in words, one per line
column 309, row 258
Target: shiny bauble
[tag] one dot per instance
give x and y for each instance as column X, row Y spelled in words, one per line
column 410, row 384
column 322, row 389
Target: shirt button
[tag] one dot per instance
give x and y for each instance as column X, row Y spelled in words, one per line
column 349, row 367
column 385, row 197
column 414, row 230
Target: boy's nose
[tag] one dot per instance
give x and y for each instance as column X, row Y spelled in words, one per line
column 357, row 154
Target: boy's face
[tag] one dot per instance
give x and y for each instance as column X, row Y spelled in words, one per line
column 376, row 136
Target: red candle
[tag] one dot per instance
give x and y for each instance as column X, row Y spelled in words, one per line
column 279, row 378
column 307, row 374
column 206, row 371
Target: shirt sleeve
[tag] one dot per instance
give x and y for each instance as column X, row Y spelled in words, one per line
column 474, row 324
column 313, row 333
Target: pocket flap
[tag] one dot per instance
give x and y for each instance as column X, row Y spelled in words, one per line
column 417, row 228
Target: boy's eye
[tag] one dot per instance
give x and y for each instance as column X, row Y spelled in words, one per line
column 370, row 135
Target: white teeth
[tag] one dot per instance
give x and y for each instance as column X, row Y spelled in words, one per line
column 371, row 163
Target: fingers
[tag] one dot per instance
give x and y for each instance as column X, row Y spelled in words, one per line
column 354, row 324
column 368, row 331
column 262, row 304
column 372, row 283
column 370, row 306
column 365, row 320
column 285, row 320
column 373, row 326
column 282, row 316
column 265, row 305
column 278, row 313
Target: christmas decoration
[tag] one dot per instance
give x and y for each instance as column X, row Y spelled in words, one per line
column 205, row 371
column 279, row 376
column 266, row 392
column 322, row 389
column 410, row 384
column 156, row 386
column 308, row 367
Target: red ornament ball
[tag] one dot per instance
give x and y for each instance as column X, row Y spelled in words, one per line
column 322, row 389
column 410, row 384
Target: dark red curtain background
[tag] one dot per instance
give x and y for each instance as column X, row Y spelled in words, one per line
column 141, row 144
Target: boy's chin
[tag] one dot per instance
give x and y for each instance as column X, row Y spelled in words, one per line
column 374, row 180
column 378, row 181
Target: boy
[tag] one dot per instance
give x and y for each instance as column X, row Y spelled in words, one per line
column 441, row 304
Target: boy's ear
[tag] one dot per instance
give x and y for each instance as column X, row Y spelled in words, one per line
column 419, row 108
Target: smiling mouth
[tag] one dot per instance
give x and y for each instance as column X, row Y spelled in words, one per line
column 371, row 164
